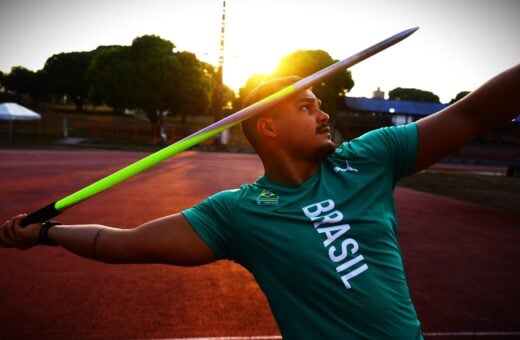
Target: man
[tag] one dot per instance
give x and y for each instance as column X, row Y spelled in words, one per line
column 318, row 230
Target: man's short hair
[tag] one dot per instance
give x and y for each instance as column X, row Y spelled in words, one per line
column 267, row 88
column 260, row 92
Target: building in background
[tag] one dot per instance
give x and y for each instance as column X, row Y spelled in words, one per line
column 499, row 147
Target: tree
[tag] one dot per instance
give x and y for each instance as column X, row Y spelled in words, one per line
column 252, row 82
column 66, row 75
column 417, row 95
column 196, row 80
column 154, row 73
column 148, row 75
column 3, row 96
column 110, row 77
column 229, row 100
column 38, row 87
column 140, row 76
column 459, row 96
column 23, row 82
column 20, row 80
column 305, row 62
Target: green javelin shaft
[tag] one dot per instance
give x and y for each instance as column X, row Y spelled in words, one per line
column 153, row 159
column 57, row 207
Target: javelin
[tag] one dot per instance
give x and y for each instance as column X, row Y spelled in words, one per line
column 58, row 207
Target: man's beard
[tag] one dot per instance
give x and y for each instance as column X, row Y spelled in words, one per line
column 325, row 151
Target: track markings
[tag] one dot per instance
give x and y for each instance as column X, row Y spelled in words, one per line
column 426, row 334
column 471, row 334
column 260, row 337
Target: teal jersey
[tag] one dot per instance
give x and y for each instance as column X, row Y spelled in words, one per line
column 324, row 252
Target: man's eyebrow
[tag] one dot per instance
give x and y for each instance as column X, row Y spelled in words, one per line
column 308, row 100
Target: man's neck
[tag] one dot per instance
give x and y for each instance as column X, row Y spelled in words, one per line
column 290, row 173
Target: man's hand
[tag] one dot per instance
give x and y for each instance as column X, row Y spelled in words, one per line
column 13, row 235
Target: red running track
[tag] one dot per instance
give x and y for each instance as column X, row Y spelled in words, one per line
column 462, row 259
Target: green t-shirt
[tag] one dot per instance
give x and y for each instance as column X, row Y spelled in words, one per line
column 325, row 252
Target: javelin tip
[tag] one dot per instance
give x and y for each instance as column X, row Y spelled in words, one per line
column 410, row 30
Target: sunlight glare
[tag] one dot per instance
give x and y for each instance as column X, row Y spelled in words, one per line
column 254, row 45
column 239, row 68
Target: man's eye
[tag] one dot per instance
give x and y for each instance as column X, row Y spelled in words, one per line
column 305, row 107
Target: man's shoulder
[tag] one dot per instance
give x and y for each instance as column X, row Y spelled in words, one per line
column 259, row 193
column 375, row 139
column 235, row 196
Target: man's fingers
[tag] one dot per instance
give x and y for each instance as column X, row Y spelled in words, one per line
column 11, row 233
column 3, row 233
column 18, row 218
column 14, row 226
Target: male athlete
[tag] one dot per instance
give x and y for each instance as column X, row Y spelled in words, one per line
column 319, row 229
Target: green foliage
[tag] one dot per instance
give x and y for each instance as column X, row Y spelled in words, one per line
column 252, row 82
column 149, row 76
column 110, row 77
column 23, row 82
column 20, row 80
column 66, row 75
column 196, row 80
column 306, row 62
column 459, row 96
column 154, row 76
column 417, row 95
column 229, row 99
column 303, row 63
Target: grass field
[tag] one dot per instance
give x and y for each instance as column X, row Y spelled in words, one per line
column 496, row 191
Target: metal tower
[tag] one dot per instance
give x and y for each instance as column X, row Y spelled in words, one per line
column 218, row 93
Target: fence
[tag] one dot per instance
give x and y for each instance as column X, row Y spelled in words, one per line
column 52, row 128
column 104, row 128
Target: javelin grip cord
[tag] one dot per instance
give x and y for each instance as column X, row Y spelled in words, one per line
column 41, row 215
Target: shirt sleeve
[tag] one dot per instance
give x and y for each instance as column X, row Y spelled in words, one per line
column 213, row 220
column 394, row 147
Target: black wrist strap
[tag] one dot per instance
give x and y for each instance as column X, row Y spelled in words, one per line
column 42, row 237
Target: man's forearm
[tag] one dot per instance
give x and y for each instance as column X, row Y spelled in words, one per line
column 490, row 106
column 169, row 240
column 495, row 102
column 92, row 241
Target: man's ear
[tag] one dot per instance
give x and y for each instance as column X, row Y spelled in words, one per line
column 265, row 127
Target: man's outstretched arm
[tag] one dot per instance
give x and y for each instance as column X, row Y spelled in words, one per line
column 492, row 105
column 170, row 240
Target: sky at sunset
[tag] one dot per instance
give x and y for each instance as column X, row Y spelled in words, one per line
column 460, row 43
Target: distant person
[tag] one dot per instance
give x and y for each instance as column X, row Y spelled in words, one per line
column 318, row 230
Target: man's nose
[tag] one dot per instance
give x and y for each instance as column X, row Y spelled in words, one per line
column 323, row 116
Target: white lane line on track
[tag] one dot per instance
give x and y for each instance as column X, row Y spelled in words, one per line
column 260, row 337
column 472, row 334
column 427, row 334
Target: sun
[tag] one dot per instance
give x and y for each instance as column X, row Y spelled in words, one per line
column 239, row 67
column 251, row 46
